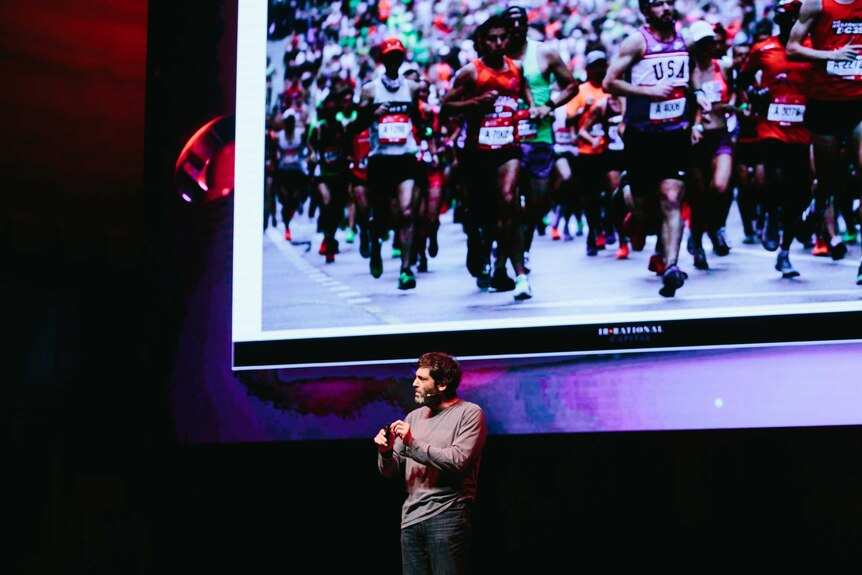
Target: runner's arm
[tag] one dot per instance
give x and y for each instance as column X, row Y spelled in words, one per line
column 809, row 14
column 631, row 50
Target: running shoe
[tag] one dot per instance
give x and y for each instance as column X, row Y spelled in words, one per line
column 837, row 249
column 501, row 281
column 700, row 259
column 322, row 249
column 396, row 253
column 850, row 237
column 406, row 280
column 782, row 264
column 580, row 230
column 527, row 262
column 433, row 246
column 770, row 234
column 422, row 266
column 287, row 236
column 375, row 264
column 623, row 251
column 821, row 248
column 567, row 235
column 592, row 249
column 656, row 264
column 719, row 243
column 749, row 240
column 672, row 279
column 689, row 245
column 555, row 234
column 331, row 248
column 600, row 240
column 610, row 237
column 859, row 275
column 350, row 235
column 522, row 288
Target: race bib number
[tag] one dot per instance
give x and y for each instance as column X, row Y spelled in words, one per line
column 496, row 136
column 289, row 159
column 667, row 110
column 527, row 129
column 393, row 129
column 851, row 68
column 786, row 113
column 712, row 91
column 564, row 136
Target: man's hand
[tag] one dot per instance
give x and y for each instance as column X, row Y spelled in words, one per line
column 384, row 440
column 659, row 91
column 381, row 110
column 847, row 53
column 487, row 99
column 402, row 430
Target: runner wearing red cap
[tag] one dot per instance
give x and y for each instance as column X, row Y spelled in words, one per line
column 389, row 105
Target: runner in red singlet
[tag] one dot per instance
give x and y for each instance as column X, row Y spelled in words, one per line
column 486, row 92
column 834, row 112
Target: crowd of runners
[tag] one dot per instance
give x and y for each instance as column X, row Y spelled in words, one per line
column 617, row 121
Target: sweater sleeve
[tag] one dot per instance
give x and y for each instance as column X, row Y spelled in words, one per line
column 466, row 447
column 390, row 466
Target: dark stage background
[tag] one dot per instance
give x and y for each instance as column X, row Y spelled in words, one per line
column 95, row 286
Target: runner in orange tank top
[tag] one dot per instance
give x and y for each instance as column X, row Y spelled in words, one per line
column 486, row 92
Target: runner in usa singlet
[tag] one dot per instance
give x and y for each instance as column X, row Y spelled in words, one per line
column 652, row 70
column 662, row 62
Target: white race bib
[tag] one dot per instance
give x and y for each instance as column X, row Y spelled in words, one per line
column 564, row 136
column 393, row 129
column 712, row 90
column 844, row 68
column 667, row 109
column 792, row 113
column 527, row 129
column 496, row 136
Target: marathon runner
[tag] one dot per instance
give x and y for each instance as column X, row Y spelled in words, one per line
column 542, row 68
column 652, row 71
column 785, row 142
column 590, row 172
column 712, row 145
column 834, row 111
column 328, row 146
column 389, row 103
column 486, row 92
